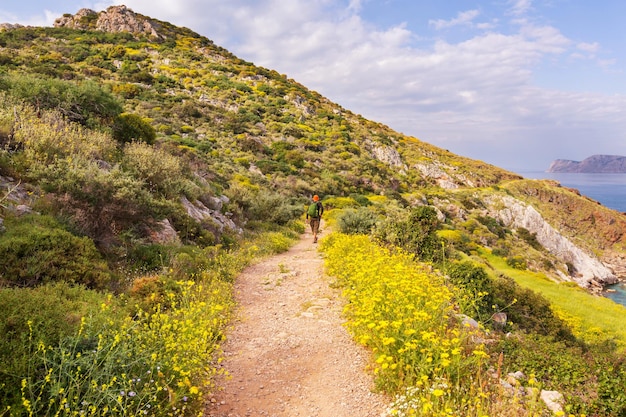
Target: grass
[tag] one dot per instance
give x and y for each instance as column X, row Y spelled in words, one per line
column 593, row 318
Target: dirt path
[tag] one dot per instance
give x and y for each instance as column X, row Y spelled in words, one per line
column 288, row 353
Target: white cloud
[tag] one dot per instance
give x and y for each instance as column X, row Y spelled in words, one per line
column 591, row 48
column 520, row 7
column 463, row 18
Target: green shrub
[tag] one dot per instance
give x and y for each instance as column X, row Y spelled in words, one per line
column 517, row 262
column 158, row 362
column 46, row 137
column 35, row 250
column 147, row 258
column 591, row 380
column 85, row 102
column 360, row 221
column 530, row 238
column 416, row 233
column 101, row 203
column 361, row 199
column 160, row 171
column 493, row 225
column 28, row 316
column 131, row 127
column 477, row 285
column 528, row 310
column 264, row 206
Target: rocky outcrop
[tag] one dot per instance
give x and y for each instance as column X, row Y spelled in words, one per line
column 596, row 164
column 588, row 270
column 200, row 212
column 436, row 171
column 9, row 26
column 165, row 234
column 114, row 19
column 387, row 155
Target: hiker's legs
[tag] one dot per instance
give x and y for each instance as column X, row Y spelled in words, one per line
column 315, row 226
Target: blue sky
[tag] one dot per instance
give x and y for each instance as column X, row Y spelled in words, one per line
column 515, row 83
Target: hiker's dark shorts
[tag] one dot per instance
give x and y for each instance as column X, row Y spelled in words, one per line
column 315, row 224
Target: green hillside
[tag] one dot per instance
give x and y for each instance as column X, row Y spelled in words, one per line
column 140, row 172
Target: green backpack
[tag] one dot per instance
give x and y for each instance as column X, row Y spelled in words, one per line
column 313, row 210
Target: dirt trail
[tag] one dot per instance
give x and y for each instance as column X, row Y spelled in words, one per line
column 288, row 353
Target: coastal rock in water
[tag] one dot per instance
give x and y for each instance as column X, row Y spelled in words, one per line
column 596, row 164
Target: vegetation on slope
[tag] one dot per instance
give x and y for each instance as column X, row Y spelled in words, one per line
column 152, row 169
column 426, row 352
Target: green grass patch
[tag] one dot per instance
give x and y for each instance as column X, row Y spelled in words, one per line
column 592, row 318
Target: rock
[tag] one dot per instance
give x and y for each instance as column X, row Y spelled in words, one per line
column 467, row 321
column 553, row 400
column 9, row 26
column 499, row 320
column 165, row 234
column 22, row 209
column 435, row 171
column 199, row 212
column 114, row 19
column 387, row 155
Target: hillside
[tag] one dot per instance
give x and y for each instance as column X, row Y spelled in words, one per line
column 142, row 167
column 240, row 128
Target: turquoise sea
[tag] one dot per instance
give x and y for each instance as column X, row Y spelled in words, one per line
column 607, row 189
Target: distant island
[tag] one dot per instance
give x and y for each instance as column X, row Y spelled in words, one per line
column 596, row 164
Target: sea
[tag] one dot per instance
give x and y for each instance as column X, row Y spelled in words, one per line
column 607, row 189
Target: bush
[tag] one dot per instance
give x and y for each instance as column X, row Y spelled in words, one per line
column 517, row 262
column 529, row 310
column 415, row 234
column 35, row 250
column 493, row 225
column 360, row 221
column 28, row 316
column 129, row 127
column 476, row 284
column 101, row 203
column 264, row 206
column 85, row 103
column 530, row 238
column 592, row 381
column 161, row 172
column 159, row 362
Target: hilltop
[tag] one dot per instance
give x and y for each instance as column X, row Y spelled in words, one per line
column 142, row 166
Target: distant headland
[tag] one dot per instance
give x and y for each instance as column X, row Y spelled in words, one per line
column 596, row 164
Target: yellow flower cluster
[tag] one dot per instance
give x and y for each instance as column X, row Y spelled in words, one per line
column 155, row 363
column 404, row 312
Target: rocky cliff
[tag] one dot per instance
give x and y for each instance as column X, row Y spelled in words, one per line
column 587, row 270
column 594, row 164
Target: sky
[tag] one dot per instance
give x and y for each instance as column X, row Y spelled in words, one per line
column 514, row 83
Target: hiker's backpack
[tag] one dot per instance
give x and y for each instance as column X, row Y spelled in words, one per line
column 314, row 210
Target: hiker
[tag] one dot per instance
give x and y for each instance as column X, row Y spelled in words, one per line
column 314, row 213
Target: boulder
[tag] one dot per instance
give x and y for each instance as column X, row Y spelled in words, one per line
column 165, row 233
